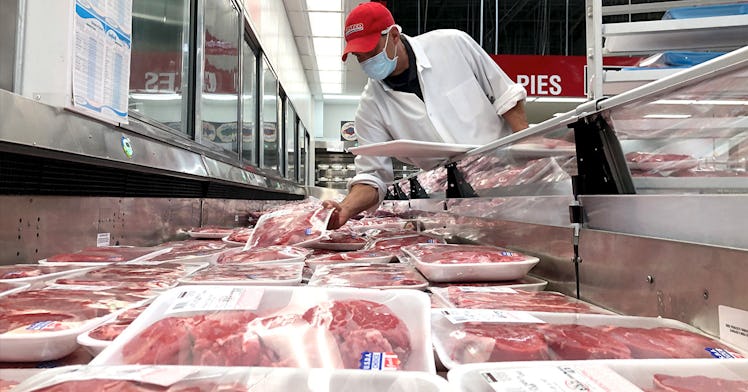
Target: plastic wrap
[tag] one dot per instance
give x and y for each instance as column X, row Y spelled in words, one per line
column 363, row 256
column 270, row 254
column 468, row 263
column 129, row 275
column 395, row 243
column 35, row 273
column 191, row 251
column 279, row 326
column 97, row 339
column 296, row 225
column 104, row 255
column 234, row 379
column 12, row 288
column 527, row 283
column 284, row 274
column 341, row 240
column 210, row 232
column 375, row 276
column 476, row 335
column 505, row 298
column 239, row 236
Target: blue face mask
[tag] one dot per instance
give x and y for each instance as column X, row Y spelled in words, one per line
column 380, row 66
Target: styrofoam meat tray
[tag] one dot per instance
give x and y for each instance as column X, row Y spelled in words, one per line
column 367, row 257
column 270, row 274
column 289, row 254
column 46, row 272
column 638, row 374
column 246, row 378
column 524, row 300
column 228, row 241
column 188, row 269
column 444, row 331
column 472, row 272
column 527, row 283
column 411, row 307
column 374, row 276
column 158, row 251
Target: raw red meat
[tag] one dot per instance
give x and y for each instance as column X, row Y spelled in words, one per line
column 573, row 342
column 537, row 301
column 290, row 226
column 7, row 385
column 109, row 254
column 241, row 235
column 102, row 385
column 190, row 248
column 110, row 331
column 362, row 326
column 650, row 157
column 337, row 237
column 665, row 343
column 698, row 384
column 352, row 257
column 490, row 342
column 237, row 272
column 262, row 254
column 20, row 271
column 368, row 276
column 462, row 254
column 129, row 275
column 395, row 243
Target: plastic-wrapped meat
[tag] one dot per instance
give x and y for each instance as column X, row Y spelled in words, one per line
column 665, row 342
column 574, row 342
column 241, row 235
column 649, row 157
column 59, row 309
column 341, row 239
column 434, row 180
column 217, row 230
column 189, row 248
column 667, row 383
column 291, row 227
column 365, row 224
column 395, row 243
column 463, row 254
column 111, row 330
column 117, row 385
column 158, row 276
column 264, row 272
column 263, row 254
column 103, row 254
column 537, row 301
column 493, row 342
column 21, row 271
column 361, row 256
column 379, row 276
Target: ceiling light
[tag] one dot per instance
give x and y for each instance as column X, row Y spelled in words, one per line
column 326, row 24
column 331, row 88
column 330, row 76
column 326, row 46
column 329, row 63
column 671, row 116
column 324, row 5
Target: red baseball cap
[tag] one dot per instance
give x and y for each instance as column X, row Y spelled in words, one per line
column 363, row 27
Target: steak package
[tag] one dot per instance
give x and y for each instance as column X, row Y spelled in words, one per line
column 35, row 273
column 96, row 340
column 41, row 325
column 151, row 378
column 374, row 276
column 270, row 254
column 277, row 326
column 468, row 263
column 298, row 225
column 104, row 255
column 362, row 256
column 190, row 251
column 207, row 232
column 130, row 275
column 651, row 375
column 12, row 288
column 239, row 236
column 341, row 240
column 527, row 283
column 505, row 298
column 284, row 274
column 478, row 335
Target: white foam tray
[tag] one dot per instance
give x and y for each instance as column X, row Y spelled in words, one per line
column 473, row 272
column 250, row 281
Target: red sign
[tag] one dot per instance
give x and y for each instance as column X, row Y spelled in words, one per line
column 161, row 72
column 551, row 76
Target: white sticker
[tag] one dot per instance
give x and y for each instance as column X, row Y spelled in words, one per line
column 558, row 379
column 459, row 316
column 217, row 298
column 103, row 239
column 490, row 289
column 733, row 326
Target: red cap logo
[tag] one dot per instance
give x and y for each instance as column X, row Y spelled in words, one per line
column 364, row 26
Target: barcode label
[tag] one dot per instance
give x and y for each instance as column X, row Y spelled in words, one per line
column 459, row 316
column 217, row 298
column 545, row 378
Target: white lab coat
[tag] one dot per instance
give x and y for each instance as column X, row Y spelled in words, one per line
column 464, row 95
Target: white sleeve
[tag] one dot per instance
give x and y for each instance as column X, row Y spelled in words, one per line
column 503, row 92
column 371, row 170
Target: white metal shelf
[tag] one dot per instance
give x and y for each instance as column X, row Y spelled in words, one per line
column 619, row 81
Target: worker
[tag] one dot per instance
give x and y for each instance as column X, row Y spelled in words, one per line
column 440, row 86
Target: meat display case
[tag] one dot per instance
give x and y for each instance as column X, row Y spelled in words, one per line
column 657, row 193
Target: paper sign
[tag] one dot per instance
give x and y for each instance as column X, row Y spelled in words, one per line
column 103, row 239
column 459, row 316
column 733, row 327
column 216, row 298
column 558, row 379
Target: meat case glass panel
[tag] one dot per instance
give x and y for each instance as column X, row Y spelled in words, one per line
column 249, row 104
column 698, row 130
column 158, row 90
column 290, row 125
column 220, row 92
column 270, row 138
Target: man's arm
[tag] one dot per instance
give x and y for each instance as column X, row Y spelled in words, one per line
column 360, row 198
column 516, row 117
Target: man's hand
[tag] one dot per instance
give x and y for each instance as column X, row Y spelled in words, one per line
column 360, row 198
column 338, row 217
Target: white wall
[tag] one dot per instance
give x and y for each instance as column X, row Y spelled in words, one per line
column 334, row 113
column 271, row 25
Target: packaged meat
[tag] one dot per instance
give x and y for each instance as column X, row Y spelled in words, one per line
column 683, row 375
column 103, row 255
column 239, row 237
column 341, row 240
column 279, row 326
column 270, row 274
column 380, row 223
column 505, row 298
column 12, row 288
column 190, row 251
column 290, row 226
column 96, row 340
column 9, row 378
column 270, row 254
column 210, row 232
column 35, row 273
column 469, row 263
column 363, row 256
column 396, row 244
column 229, row 379
column 374, row 276
column 41, row 325
column 479, row 335
column 131, row 275
column 527, row 283
column 658, row 162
